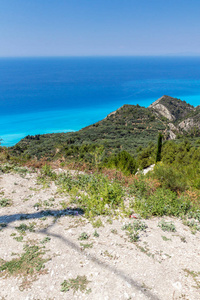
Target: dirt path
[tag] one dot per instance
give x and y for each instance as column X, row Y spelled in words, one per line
column 98, row 255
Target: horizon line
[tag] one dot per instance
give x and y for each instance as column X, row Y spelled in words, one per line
column 104, row 56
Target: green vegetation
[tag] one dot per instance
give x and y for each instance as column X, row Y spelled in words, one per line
column 132, row 230
column 78, row 283
column 83, row 236
column 158, row 155
column 28, row 265
column 86, row 246
column 5, row 202
column 167, row 226
column 122, row 161
column 110, row 152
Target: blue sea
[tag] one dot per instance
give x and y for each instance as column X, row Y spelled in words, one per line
column 45, row 95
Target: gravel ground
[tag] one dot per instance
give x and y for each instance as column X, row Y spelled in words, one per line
column 159, row 266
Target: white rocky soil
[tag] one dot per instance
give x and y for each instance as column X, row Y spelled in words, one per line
column 159, row 266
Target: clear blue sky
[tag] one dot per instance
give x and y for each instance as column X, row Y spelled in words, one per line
column 99, row 27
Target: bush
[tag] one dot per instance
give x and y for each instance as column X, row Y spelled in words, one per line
column 100, row 194
column 169, row 177
column 124, row 162
column 162, row 202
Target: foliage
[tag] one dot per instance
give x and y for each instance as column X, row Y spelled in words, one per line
column 162, row 202
column 167, row 226
column 78, row 283
column 158, row 155
column 83, row 236
column 132, row 230
column 29, row 263
column 123, row 161
column 5, row 202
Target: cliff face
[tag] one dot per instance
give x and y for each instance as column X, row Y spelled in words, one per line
column 183, row 117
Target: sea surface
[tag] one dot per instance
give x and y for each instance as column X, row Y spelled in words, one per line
column 45, row 95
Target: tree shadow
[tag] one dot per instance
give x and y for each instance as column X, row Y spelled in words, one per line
column 73, row 212
column 40, row 214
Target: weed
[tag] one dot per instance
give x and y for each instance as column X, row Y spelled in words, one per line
column 165, row 238
column 132, row 230
column 95, row 194
column 83, row 236
column 144, row 250
column 183, row 239
column 85, row 246
column 110, row 221
column 78, row 283
column 98, row 223
column 114, row 231
column 19, row 238
column 37, row 205
column 64, row 204
column 194, row 276
column 22, row 228
column 106, row 253
column 5, row 202
column 95, row 234
column 167, row 226
column 45, row 240
column 193, row 224
column 28, row 265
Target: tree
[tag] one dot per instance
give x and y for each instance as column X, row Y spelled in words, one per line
column 159, row 149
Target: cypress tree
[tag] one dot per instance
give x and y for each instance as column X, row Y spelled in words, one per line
column 158, row 155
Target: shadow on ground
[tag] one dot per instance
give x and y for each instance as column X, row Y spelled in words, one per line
column 77, row 212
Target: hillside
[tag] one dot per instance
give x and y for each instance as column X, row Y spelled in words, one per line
column 128, row 128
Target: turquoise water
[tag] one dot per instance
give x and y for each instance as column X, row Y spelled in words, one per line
column 66, row 94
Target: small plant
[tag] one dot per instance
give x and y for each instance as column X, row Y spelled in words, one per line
column 37, row 205
column 78, row 283
column 106, row 253
column 167, row 226
column 98, row 223
column 83, row 236
column 194, row 275
column 64, row 204
column 114, row 231
column 5, row 202
column 22, row 228
column 109, row 221
column 133, row 229
column 19, row 238
column 165, row 238
column 193, row 224
column 183, row 239
column 133, row 236
column 86, row 246
column 45, row 240
column 96, row 234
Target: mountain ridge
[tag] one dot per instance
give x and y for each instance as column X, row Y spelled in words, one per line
column 127, row 128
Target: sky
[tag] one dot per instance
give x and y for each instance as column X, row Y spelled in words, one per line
column 99, row 27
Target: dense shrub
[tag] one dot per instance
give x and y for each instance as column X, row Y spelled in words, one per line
column 162, row 202
column 169, row 177
column 124, row 162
